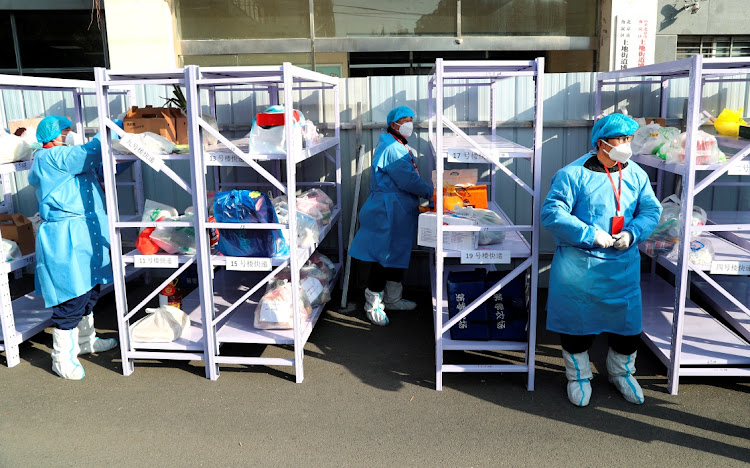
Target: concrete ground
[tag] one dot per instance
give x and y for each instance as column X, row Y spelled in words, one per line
column 368, row 399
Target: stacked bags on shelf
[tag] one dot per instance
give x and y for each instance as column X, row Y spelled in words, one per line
column 274, row 310
column 668, row 144
column 665, row 239
column 173, row 240
column 267, row 134
column 314, row 211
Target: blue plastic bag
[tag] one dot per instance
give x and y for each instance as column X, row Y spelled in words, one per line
column 246, row 206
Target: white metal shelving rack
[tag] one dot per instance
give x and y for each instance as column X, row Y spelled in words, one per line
column 229, row 298
column 686, row 338
column 26, row 316
column 494, row 151
column 191, row 346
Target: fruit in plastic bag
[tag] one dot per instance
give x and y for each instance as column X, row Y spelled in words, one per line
column 729, row 121
column 707, row 150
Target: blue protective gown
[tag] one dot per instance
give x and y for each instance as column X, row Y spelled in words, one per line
column 592, row 289
column 72, row 245
column 388, row 219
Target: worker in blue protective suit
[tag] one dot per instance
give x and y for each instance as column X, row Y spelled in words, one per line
column 388, row 219
column 598, row 209
column 72, row 244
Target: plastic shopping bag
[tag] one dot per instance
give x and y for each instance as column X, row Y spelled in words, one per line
column 10, row 250
column 245, row 206
column 162, row 325
column 271, row 139
column 649, row 138
column 274, row 311
column 484, row 217
column 176, row 240
column 707, row 150
column 729, row 121
column 14, row 148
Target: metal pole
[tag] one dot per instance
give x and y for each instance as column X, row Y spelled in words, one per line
column 312, row 33
column 439, row 215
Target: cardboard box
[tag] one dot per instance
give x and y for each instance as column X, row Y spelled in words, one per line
column 18, row 228
column 14, row 125
column 661, row 121
column 427, row 232
column 165, row 121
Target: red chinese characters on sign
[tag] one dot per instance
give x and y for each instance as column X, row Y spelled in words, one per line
column 642, row 34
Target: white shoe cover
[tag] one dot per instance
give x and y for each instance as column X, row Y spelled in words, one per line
column 621, row 368
column 374, row 308
column 392, row 299
column 578, row 372
column 87, row 339
column 65, row 350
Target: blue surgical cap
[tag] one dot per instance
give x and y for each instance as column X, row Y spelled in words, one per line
column 612, row 125
column 399, row 113
column 51, row 127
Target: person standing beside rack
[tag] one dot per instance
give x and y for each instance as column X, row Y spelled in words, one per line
column 599, row 208
column 72, row 244
column 388, row 218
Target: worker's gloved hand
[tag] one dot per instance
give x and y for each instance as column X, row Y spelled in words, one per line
column 602, row 239
column 623, row 240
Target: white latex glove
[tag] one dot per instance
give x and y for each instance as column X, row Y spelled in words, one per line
column 602, row 239
column 623, row 240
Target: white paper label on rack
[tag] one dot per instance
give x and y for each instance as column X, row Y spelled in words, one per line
column 312, row 287
column 740, row 168
column 468, row 156
column 22, row 166
column 485, row 256
column 730, row 268
column 155, row 261
column 275, row 312
column 248, row 263
column 129, row 142
column 224, row 159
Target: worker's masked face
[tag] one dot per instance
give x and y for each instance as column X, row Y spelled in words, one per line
column 406, row 129
column 72, row 139
column 620, row 153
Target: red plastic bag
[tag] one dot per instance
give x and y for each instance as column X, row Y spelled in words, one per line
column 144, row 244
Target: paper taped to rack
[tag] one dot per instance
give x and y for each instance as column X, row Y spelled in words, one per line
column 248, row 264
column 468, row 156
column 155, row 261
column 740, row 168
column 129, row 142
column 730, row 267
column 485, row 256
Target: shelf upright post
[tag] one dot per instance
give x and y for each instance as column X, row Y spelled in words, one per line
column 11, row 337
column 113, row 215
column 536, row 211
column 202, row 247
column 688, row 183
column 337, row 121
column 439, row 259
column 291, row 181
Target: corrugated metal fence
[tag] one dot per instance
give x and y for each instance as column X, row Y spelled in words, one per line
column 568, row 101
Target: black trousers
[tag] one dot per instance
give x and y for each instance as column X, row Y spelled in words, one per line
column 623, row 344
column 380, row 274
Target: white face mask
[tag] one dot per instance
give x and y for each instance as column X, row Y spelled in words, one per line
column 72, row 139
column 406, row 129
column 620, row 153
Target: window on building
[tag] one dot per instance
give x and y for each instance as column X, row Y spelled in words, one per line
column 713, row 46
column 52, row 43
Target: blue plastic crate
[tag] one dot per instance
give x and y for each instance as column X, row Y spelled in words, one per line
column 508, row 308
column 463, row 288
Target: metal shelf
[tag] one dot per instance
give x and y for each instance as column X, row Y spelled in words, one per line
column 739, row 288
column 457, row 149
column 741, row 238
column 708, row 346
column 723, row 251
column 220, row 155
column 30, row 317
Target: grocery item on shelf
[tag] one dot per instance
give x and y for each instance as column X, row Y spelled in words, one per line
column 452, row 240
column 163, row 324
column 176, row 239
column 728, row 122
column 315, row 279
column 666, row 236
column 267, row 135
column 19, row 229
column 325, row 264
column 317, row 204
column 274, row 311
column 649, row 138
column 246, row 206
column 707, row 150
column 701, row 251
column 10, row 250
column 486, row 218
column 168, row 122
column 14, row 148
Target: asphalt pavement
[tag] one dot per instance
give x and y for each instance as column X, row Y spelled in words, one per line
column 368, row 399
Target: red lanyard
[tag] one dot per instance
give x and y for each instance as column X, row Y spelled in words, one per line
column 618, row 191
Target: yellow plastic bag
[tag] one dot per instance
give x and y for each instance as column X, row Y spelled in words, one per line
column 729, row 121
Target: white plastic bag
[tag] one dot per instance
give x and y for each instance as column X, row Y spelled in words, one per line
column 707, row 150
column 155, row 211
column 155, row 144
column 649, row 138
column 10, row 250
column 14, row 149
column 176, row 240
column 487, row 218
column 162, row 325
column 701, row 251
column 274, row 311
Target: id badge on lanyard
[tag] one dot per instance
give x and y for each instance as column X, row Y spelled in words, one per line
column 618, row 221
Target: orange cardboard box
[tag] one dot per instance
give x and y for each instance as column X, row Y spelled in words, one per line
column 165, row 121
